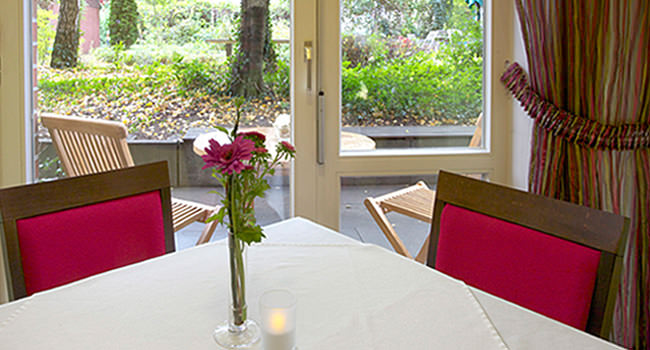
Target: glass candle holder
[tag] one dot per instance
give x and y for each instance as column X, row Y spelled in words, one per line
column 278, row 314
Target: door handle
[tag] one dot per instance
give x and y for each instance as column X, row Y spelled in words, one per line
column 308, row 52
column 320, row 126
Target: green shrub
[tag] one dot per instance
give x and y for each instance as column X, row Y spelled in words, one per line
column 354, row 50
column 420, row 86
column 359, row 50
column 207, row 77
column 73, row 87
column 395, row 17
column 45, row 36
column 81, row 87
column 391, row 89
column 277, row 82
column 200, row 77
column 392, row 78
column 184, row 21
column 123, row 22
column 148, row 53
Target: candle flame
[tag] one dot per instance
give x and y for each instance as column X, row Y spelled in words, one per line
column 278, row 321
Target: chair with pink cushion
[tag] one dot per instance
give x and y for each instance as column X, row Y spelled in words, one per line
column 65, row 230
column 553, row 257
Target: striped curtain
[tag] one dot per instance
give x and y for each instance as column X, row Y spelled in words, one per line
column 589, row 94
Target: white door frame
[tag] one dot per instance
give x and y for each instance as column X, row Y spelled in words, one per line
column 316, row 188
column 15, row 92
column 15, row 102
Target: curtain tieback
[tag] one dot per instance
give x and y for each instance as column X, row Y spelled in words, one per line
column 573, row 128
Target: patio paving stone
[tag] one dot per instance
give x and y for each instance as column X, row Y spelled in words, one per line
column 356, row 222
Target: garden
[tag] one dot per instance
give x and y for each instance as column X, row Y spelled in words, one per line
column 404, row 62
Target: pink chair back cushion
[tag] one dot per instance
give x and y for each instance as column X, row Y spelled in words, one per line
column 543, row 273
column 65, row 246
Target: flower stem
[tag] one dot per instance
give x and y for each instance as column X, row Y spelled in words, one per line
column 236, row 254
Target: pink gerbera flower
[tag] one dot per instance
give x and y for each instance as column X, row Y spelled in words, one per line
column 286, row 146
column 228, row 157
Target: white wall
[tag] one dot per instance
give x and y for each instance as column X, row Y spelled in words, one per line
column 521, row 124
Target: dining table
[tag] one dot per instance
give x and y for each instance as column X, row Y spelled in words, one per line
column 350, row 295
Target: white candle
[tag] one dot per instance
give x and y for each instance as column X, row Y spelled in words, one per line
column 278, row 320
column 279, row 336
column 280, row 341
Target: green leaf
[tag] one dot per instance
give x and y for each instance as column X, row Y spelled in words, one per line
column 219, row 216
column 250, row 234
column 222, row 129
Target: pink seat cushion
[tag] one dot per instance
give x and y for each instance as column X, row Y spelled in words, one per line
column 62, row 247
column 543, row 273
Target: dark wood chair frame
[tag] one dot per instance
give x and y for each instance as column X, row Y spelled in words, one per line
column 589, row 227
column 31, row 200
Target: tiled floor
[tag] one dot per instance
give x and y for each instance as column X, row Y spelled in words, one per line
column 355, row 219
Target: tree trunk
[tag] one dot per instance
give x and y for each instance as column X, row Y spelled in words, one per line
column 269, row 48
column 442, row 12
column 66, row 41
column 247, row 77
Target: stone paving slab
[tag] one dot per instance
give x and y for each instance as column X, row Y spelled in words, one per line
column 356, row 222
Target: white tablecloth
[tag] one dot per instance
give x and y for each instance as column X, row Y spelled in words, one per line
column 350, row 296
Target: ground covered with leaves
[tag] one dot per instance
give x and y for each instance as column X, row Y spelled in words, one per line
column 150, row 105
column 161, row 101
column 154, row 109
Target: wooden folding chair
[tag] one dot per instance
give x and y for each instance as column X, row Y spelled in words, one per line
column 60, row 231
column 87, row 146
column 557, row 258
column 478, row 133
column 414, row 201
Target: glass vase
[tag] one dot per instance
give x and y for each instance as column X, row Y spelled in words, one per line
column 238, row 332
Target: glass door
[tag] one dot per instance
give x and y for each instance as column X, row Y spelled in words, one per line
column 382, row 93
column 168, row 79
column 399, row 90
